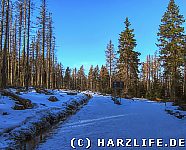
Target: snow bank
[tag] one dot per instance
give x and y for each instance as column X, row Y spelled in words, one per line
column 21, row 125
column 175, row 110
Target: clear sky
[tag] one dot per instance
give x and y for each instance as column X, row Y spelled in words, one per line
column 84, row 27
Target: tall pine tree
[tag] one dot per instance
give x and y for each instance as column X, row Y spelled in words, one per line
column 171, row 38
column 104, row 80
column 81, row 79
column 128, row 60
column 67, row 78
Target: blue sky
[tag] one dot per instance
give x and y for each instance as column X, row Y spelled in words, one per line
column 84, row 27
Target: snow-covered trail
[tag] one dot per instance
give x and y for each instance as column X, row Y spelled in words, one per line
column 103, row 119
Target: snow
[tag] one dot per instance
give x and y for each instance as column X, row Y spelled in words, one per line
column 101, row 118
column 14, row 120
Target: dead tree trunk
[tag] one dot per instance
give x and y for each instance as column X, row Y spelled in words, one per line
column 28, row 41
column 4, row 65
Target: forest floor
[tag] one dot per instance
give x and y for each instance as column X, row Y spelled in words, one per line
column 46, row 107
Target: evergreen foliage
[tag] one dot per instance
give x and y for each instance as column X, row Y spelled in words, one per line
column 171, row 45
column 128, row 60
column 28, row 56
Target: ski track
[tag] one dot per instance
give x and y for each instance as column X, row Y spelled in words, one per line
column 101, row 118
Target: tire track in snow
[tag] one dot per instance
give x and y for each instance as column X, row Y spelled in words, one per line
column 91, row 121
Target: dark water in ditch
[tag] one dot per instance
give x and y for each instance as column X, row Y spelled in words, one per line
column 102, row 119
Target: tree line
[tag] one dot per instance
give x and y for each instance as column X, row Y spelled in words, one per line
column 27, row 55
column 27, row 46
column 160, row 76
column 164, row 73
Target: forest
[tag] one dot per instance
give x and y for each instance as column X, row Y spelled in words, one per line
column 27, row 48
column 28, row 56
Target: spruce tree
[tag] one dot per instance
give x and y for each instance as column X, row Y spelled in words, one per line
column 104, row 80
column 96, row 79
column 74, row 79
column 90, row 78
column 81, row 79
column 171, row 37
column 128, row 60
column 67, row 78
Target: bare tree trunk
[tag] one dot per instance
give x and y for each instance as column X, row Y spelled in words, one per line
column 53, row 65
column 2, row 24
column 1, row 37
column 28, row 41
column 24, row 44
column 9, row 55
column 19, row 49
column 10, row 51
column 14, row 78
column 32, row 64
column 4, row 65
column 148, row 72
column 49, row 52
column 110, row 77
column 184, row 82
column 43, row 77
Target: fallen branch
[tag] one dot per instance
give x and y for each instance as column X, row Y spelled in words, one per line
column 26, row 104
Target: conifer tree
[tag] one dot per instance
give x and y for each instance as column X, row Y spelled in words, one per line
column 74, row 79
column 90, row 78
column 128, row 60
column 96, row 79
column 81, row 79
column 104, row 80
column 171, row 38
column 67, row 78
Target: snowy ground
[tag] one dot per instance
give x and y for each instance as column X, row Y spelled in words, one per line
column 102, row 119
column 12, row 120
